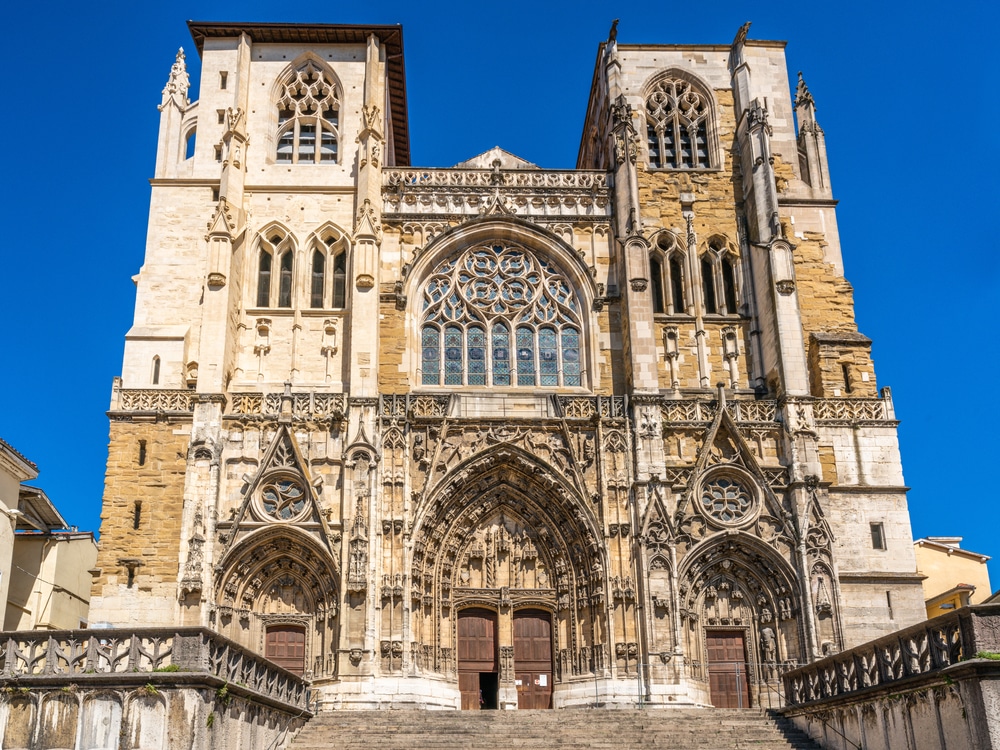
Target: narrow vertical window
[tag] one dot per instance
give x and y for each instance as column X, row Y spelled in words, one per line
column 676, row 287
column 285, row 280
column 708, row 284
column 318, row 279
column 477, row 355
column 888, row 603
column 878, row 536
column 686, row 159
column 339, row 280
column 136, row 514
column 656, row 282
column 653, row 143
column 453, row 355
column 189, row 143
column 525, row 341
column 223, row 80
column 548, row 357
column 729, row 285
column 156, row 371
column 846, row 371
column 142, row 453
column 430, row 344
column 701, row 145
column 501, row 355
column 264, row 280
column 570, row 356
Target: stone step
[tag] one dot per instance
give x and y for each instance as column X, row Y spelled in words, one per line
column 677, row 729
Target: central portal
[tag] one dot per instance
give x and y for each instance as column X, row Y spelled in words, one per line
column 477, row 659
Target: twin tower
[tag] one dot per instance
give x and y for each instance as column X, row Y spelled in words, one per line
column 496, row 435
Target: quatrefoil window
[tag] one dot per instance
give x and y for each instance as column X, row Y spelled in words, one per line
column 726, row 500
column 283, row 499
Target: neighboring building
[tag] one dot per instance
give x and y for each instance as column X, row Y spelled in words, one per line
column 14, row 469
column 953, row 577
column 47, row 568
column 543, row 436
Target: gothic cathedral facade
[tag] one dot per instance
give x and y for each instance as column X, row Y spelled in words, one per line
column 495, row 435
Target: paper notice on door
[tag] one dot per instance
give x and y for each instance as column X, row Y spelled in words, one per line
column 518, row 683
column 543, row 680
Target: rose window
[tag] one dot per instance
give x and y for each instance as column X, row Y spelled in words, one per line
column 498, row 315
column 283, row 499
column 726, row 500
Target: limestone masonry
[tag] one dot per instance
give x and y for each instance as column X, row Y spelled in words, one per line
column 495, row 435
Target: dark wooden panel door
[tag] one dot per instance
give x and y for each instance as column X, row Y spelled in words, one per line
column 727, row 669
column 533, row 659
column 477, row 649
column 285, row 645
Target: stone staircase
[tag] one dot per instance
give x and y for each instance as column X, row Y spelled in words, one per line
column 676, row 729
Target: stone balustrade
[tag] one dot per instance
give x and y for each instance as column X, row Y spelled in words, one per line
column 154, row 655
column 932, row 685
column 153, row 400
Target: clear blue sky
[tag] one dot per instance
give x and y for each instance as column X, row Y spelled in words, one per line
column 906, row 92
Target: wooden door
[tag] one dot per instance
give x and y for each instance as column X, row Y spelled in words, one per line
column 727, row 669
column 285, row 645
column 533, row 658
column 477, row 651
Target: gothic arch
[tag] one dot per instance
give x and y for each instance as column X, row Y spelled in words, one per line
column 280, row 575
column 552, row 252
column 695, row 91
column 279, row 89
column 733, row 580
column 504, row 531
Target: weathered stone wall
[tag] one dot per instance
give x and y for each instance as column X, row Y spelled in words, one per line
column 152, row 549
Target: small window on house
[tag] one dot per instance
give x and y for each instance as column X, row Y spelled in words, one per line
column 215, row 195
column 878, row 536
column 222, row 116
column 223, row 80
column 142, row 453
column 189, row 143
column 136, row 515
column 155, row 378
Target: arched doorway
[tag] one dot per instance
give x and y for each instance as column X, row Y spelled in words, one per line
column 533, row 658
column 478, row 677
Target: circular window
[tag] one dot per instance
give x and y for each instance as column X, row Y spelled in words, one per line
column 283, row 499
column 726, row 500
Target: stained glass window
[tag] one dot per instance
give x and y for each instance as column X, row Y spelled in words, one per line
column 524, row 304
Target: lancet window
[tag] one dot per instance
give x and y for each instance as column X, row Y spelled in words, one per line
column 275, row 269
column 328, row 273
column 308, row 117
column 498, row 315
column 666, row 273
column 677, row 125
column 719, row 278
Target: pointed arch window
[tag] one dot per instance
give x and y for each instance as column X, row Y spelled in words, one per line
column 275, row 270
column 678, row 120
column 308, row 117
column 666, row 272
column 719, row 278
column 498, row 315
column 328, row 272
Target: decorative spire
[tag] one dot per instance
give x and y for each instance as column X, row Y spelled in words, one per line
column 178, row 83
column 802, row 95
